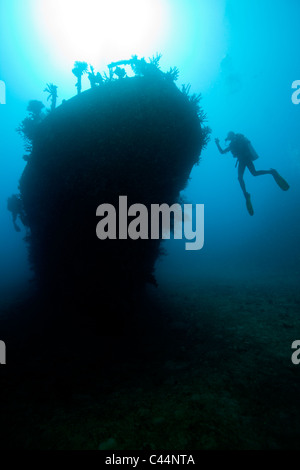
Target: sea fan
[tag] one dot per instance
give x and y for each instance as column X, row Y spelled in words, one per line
column 80, row 68
column 186, row 89
column 173, row 74
column 155, row 60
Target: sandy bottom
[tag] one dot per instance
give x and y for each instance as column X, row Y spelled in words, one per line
column 206, row 366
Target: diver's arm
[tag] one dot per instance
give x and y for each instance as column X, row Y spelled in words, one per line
column 220, row 149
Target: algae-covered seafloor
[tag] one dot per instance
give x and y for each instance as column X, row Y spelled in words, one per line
column 208, row 367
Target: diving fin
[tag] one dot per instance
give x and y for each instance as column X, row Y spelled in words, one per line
column 280, row 181
column 249, row 205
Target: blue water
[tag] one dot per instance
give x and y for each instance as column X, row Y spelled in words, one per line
column 242, row 57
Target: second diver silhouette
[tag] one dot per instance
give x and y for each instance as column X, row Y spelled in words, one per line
column 241, row 148
column 15, row 206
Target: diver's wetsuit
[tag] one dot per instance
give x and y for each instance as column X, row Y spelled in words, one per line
column 243, row 154
column 241, row 148
column 246, row 162
column 15, row 206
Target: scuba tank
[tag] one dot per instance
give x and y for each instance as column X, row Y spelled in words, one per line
column 254, row 155
column 242, row 147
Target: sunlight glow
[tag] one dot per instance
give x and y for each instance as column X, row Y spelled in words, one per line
column 101, row 30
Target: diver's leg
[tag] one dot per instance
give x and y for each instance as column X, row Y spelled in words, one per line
column 277, row 177
column 14, row 217
column 255, row 172
column 241, row 171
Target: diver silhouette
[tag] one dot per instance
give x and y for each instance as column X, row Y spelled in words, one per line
column 15, row 206
column 241, row 149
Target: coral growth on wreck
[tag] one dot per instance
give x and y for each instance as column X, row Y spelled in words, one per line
column 137, row 136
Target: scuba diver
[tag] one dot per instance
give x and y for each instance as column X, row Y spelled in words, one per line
column 15, row 206
column 242, row 150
